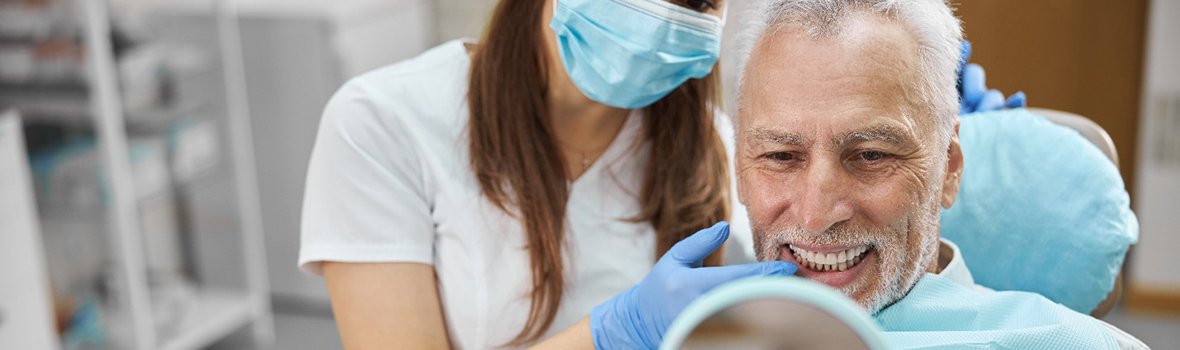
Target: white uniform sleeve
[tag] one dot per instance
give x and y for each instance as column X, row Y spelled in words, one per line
column 365, row 199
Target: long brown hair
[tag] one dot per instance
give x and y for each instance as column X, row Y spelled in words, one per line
column 520, row 170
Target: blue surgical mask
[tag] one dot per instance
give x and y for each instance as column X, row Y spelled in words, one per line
column 631, row 53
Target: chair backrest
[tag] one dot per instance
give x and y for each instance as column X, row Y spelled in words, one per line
column 1100, row 138
column 1084, row 126
column 1031, row 179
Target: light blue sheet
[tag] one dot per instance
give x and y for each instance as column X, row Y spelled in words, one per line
column 936, row 314
column 941, row 314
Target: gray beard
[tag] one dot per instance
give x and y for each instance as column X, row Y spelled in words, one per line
column 900, row 272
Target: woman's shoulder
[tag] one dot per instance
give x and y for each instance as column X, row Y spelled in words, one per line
column 448, row 59
column 440, row 72
column 425, row 93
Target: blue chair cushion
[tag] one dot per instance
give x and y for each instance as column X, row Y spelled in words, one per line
column 1040, row 209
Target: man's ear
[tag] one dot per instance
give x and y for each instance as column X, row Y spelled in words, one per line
column 954, row 170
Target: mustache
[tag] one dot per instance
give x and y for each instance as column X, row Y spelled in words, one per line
column 768, row 242
column 839, row 234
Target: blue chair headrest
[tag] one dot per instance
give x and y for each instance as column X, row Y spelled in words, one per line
column 1040, row 209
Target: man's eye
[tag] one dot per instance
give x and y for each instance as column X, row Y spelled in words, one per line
column 781, row 156
column 696, row 5
column 872, row 156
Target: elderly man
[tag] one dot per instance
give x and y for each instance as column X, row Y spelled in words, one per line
column 847, row 150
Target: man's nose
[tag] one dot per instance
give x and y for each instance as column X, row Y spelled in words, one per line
column 825, row 200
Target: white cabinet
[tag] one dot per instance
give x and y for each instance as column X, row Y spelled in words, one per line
column 26, row 311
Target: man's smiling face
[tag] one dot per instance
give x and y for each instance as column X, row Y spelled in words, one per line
column 840, row 162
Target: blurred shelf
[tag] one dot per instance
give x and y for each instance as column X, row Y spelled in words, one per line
column 156, row 110
column 338, row 9
column 150, row 100
column 74, row 87
column 77, row 112
column 215, row 314
column 51, row 98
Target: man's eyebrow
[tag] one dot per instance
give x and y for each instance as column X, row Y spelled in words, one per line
column 776, row 137
column 882, row 132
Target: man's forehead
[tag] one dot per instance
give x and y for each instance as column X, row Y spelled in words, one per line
column 878, row 130
column 868, row 36
column 865, row 73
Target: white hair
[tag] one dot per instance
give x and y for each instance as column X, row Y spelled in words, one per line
column 932, row 23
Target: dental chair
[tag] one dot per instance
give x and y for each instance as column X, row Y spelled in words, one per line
column 1085, row 127
column 1042, row 207
column 1101, row 139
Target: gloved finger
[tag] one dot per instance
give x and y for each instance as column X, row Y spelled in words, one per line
column 966, row 53
column 991, row 101
column 974, row 84
column 695, row 248
column 1017, row 100
column 709, row 277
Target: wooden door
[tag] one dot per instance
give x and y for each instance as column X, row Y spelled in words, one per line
column 1080, row 56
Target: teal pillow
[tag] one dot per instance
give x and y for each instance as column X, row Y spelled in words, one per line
column 1040, row 209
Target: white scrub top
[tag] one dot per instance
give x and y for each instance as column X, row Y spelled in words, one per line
column 390, row 181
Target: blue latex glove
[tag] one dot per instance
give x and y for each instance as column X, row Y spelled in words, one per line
column 638, row 317
column 974, row 94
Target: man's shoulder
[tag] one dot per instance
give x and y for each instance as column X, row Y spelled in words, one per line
column 938, row 311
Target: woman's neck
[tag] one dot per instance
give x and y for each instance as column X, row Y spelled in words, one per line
column 579, row 122
column 582, row 127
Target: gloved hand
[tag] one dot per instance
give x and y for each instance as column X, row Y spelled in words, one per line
column 638, row 317
column 973, row 92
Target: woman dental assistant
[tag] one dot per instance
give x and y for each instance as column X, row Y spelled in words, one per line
column 516, row 192
column 491, row 195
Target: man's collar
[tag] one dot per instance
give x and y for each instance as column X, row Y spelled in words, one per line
column 954, row 269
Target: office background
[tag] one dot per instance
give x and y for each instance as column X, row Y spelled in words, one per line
column 192, row 143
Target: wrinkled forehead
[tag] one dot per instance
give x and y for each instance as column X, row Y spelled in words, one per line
column 869, row 67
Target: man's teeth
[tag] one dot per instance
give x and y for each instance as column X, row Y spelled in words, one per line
column 833, row 261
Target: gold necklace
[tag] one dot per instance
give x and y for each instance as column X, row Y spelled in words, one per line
column 587, row 157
